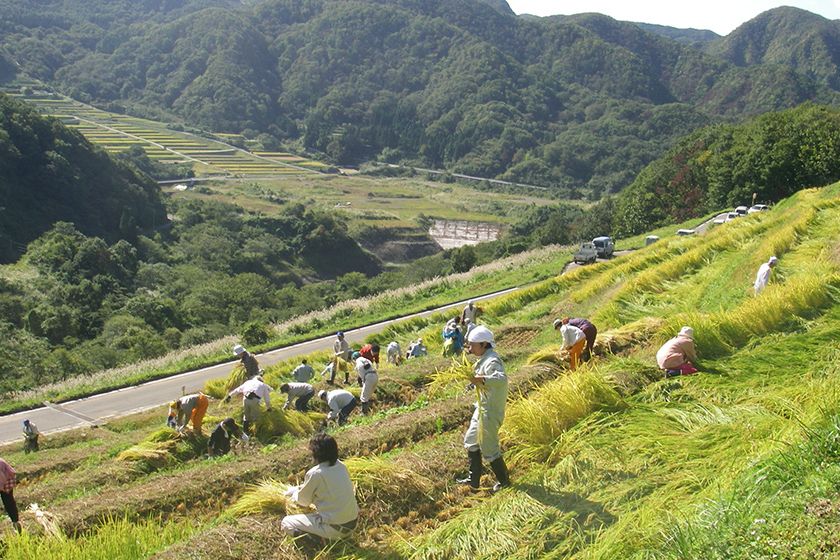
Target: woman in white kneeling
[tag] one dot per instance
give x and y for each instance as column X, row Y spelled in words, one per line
column 328, row 488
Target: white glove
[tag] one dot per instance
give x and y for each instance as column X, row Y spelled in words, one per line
column 245, row 437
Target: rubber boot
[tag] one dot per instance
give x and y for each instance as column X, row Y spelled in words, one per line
column 474, row 479
column 246, row 425
column 501, row 472
column 365, row 408
column 17, row 527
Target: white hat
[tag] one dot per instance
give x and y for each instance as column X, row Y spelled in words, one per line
column 322, row 394
column 480, row 334
column 687, row 331
column 557, row 322
column 773, row 260
column 238, row 350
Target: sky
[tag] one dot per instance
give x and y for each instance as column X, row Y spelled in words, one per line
column 720, row 16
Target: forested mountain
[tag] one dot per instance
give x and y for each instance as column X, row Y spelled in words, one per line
column 719, row 167
column 579, row 103
column 688, row 36
column 789, row 37
column 49, row 173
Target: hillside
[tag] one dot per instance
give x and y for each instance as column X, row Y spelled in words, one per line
column 50, row 174
column 609, row 461
column 579, row 104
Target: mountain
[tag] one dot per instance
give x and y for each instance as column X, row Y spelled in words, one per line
column 49, row 173
column 578, row 103
column 500, row 6
column 788, row 37
column 688, row 36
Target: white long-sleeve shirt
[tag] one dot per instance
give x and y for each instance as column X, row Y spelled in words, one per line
column 571, row 335
column 330, row 490
column 762, row 278
column 255, row 386
column 493, row 393
column 303, row 373
column 341, row 348
column 337, row 400
column 297, row 390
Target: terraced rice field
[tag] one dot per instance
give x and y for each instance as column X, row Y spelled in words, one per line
column 609, row 461
column 117, row 133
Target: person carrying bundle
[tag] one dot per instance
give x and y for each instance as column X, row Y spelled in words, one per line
column 219, row 442
column 341, row 357
column 573, row 341
column 248, row 360
column 678, row 356
column 482, row 437
column 189, row 408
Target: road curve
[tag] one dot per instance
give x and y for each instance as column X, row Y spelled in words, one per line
column 97, row 409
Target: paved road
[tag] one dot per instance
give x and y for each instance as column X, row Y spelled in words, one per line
column 99, row 408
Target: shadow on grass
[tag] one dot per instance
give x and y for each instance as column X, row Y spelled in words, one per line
column 590, row 517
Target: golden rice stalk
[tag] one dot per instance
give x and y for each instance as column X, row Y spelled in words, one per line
column 552, row 354
column 455, row 376
column 379, row 479
column 266, row 497
column 277, row 422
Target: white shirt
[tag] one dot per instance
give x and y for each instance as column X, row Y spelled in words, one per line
column 469, row 313
column 393, row 348
column 493, row 394
column 303, row 373
column 330, row 490
column 337, row 400
column 364, row 367
column 297, row 390
column 571, row 335
column 254, row 385
column 762, row 277
column 341, row 348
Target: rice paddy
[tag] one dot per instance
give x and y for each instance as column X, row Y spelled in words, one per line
column 611, row 461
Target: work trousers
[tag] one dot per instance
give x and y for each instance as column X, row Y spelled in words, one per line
column 10, row 505
column 483, row 434
column 312, row 523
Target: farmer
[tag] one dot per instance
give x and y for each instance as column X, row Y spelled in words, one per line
column 341, row 404
column 394, row 353
column 30, row 436
column 589, row 331
column 416, row 349
column 300, row 392
column 763, row 275
column 327, row 488
column 341, row 353
column 219, row 442
column 678, row 356
column 303, row 373
column 573, row 341
column 253, row 391
column 188, row 408
column 368, row 378
column 7, row 487
column 453, row 338
column 468, row 326
column 482, row 437
column 371, row 352
column 470, row 312
column 249, row 361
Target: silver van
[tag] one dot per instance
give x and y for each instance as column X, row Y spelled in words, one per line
column 604, row 246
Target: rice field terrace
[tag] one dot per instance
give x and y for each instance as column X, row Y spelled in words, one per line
column 117, row 133
column 610, row 461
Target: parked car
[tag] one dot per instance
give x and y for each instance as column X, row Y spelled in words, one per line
column 758, row 208
column 686, row 232
column 604, row 246
column 741, row 210
column 586, row 254
column 651, row 239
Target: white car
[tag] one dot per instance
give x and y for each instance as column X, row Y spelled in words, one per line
column 741, row 210
column 758, row 208
column 731, row 216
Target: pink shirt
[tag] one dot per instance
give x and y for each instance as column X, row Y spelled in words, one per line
column 7, row 477
column 676, row 352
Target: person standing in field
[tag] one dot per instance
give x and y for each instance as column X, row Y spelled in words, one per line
column 589, row 331
column 8, row 481
column 453, row 338
column 327, row 488
column 678, row 356
column 249, row 361
column 253, row 391
column 470, row 312
column 301, row 393
column 30, row 436
column 763, row 276
column 341, row 356
column 394, row 353
column 573, row 341
column 190, row 408
column 303, row 373
column 219, row 442
column 482, row 437
column 368, row 379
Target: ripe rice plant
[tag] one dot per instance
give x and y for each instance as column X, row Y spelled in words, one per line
column 382, row 481
column 219, row 388
column 277, row 422
column 266, row 497
column 452, row 379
